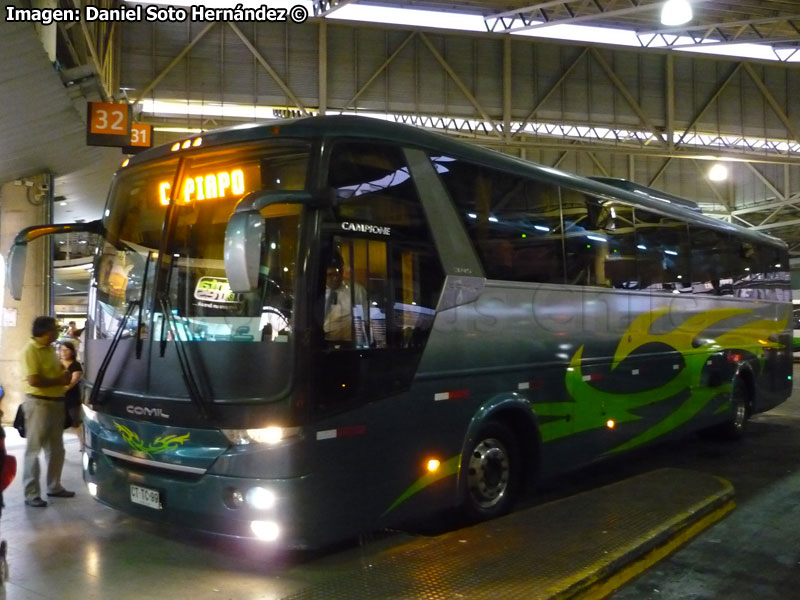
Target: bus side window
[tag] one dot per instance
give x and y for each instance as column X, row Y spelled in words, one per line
column 711, row 262
column 585, row 243
column 662, row 252
column 514, row 222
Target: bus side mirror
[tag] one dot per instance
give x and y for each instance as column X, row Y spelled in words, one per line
column 243, row 237
column 16, row 269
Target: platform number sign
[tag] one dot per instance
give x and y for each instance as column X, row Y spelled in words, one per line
column 141, row 138
column 108, row 124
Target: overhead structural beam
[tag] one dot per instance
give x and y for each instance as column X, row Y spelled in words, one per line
column 790, row 223
column 272, row 73
column 570, row 20
column 766, row 182
column 552, row 89
column 379, row 70
column 766, row 206
column 322, row 8
column 622, row 88
column 709, row 27
column 720, row 87
column 173, row 62
column 457, row 80
column 91, row 44
column 772, row 102
column 598, row 164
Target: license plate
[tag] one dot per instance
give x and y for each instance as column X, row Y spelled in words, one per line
column 145, row 497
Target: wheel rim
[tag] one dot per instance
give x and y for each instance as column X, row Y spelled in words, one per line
column 489, row 471
column 739, row 403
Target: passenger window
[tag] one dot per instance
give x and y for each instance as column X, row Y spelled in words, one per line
column 711, row 262
column 513, row 222
column 585, row 241
column 662, row 252
column 776, row 273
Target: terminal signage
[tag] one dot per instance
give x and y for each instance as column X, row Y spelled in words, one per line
column 141, row 138
column 108, row 124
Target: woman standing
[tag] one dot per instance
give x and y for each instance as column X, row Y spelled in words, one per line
column 69, row 360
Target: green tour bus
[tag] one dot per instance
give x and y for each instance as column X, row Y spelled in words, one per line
column 308, row 329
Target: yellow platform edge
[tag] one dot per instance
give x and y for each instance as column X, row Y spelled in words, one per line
column 597, row 581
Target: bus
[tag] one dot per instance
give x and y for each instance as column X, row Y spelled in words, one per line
column 305, row 330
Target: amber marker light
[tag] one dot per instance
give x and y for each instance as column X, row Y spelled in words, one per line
column 186, row 144
column 610, row 423
column 197, row 142
column 125, row 162
column 176, row 146
column 433, row 465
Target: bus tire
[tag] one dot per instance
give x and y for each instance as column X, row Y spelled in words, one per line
column 493, row 473
column 734, row 428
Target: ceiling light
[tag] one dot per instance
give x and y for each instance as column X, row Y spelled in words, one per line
column 718, row 172
column 676, row 12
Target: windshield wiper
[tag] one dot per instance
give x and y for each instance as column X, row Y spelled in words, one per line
column 141, row 305
column 101, row 372
column 189, row 378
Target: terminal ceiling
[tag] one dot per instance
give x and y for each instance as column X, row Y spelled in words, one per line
column 652, row 114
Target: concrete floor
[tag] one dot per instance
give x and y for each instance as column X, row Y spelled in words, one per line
column 77, row 548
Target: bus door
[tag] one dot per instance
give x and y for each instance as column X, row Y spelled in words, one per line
column 373, row 316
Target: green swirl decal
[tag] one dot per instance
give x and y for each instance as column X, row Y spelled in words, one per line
column 159, row 445
column 591, row 407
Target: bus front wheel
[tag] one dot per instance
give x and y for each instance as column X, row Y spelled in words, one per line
column 493, row 473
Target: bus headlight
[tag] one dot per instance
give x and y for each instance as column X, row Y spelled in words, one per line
column 267, row 531
column 266, row 435
column 260, row 498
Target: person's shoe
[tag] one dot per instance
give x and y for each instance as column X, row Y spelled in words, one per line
column 36, row 502
column 61, row 494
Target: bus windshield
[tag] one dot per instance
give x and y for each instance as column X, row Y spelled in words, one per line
column 207, row 187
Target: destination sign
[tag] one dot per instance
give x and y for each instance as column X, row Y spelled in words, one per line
column 208, row 186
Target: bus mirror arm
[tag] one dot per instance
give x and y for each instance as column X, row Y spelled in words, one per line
column 17, row 254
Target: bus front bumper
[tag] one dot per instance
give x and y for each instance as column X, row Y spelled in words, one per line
column 260, row 509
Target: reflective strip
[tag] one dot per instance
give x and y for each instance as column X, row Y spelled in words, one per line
column 451, row 395
column 675, row 367
column 635, row 372
column 153, row 463
column 587, row 377
column 341, row 432
column 524, row 386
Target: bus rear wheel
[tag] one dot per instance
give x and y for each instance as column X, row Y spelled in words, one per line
column 493, row 473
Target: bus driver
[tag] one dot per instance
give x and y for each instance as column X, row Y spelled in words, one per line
column 346, row 306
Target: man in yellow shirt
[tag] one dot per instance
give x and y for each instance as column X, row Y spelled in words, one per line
column 46, row 381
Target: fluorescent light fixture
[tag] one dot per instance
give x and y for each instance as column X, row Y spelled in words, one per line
column 541, row 228
column 597, row 238
column 718, row 172
column 641, row 246
column 475, row 23
column 671, row 252
column 410, row 16
column 676, row 12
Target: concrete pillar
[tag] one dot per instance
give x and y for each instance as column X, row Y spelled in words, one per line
column 22, row 205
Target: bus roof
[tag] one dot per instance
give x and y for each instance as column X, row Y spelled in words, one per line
column 355, row 127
